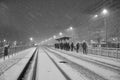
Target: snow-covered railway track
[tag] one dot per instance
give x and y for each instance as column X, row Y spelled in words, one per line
column 89, row 73
column 98, row 63
column 82, row 70
column 29, row 72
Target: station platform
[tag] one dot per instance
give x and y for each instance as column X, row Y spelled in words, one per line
column 12, row 67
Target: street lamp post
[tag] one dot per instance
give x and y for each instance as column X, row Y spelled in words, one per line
column 71, row 33
column 94, row 17
column 31, row 40
column 104, row 13
column 105, row 24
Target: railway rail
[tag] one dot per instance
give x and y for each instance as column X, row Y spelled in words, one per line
column 86, row 72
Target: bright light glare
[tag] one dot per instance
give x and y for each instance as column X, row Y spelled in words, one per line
column 71, row 28
column 54, row 37
column 95, row 16
column 31, row 39
column 60, row 33
column 105, row 11
column 4, row 40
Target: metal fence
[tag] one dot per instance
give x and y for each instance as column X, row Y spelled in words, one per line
column 108, row 52
column 13, row 50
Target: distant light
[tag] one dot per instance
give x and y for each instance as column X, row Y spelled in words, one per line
column 92, row 41
column 105, row 11
column 113, row 39
column 71, row 28
column 15, row 43
column 49, row 38
column 35, row 44
column 95, row 16
column 54, row 37
column 4, row 40
column 60, row 33
column 31, row 39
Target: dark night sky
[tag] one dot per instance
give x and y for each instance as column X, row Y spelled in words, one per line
column 21, row 19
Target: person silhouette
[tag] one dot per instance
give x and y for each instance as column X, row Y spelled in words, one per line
column 77, row 47
column 6, row 47
column 84, row 47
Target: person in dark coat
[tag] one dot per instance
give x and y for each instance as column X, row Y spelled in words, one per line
column 68, row 46
column 55, row 45
column 84, row 46
column 72, row 46
column 77, row 47
column 61, row 46
column 6, row 47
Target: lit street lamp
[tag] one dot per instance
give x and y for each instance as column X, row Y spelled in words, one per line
column 54, row 37
column 89, row 32
column 95, row 16
column 105, row 12
column 31, row 39
column 71, row 28
column 60, row 33
column 4, row 40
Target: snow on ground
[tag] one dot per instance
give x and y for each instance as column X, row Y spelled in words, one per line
column 46, row 70
column 6, row 65
column 107, row 74
column 109, row 60
column 72, row 73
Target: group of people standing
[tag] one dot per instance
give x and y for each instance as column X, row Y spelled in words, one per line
column 72, row 47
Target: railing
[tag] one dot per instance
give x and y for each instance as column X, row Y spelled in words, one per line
column 1, row 51
column 109, row 52
column 13, row 50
